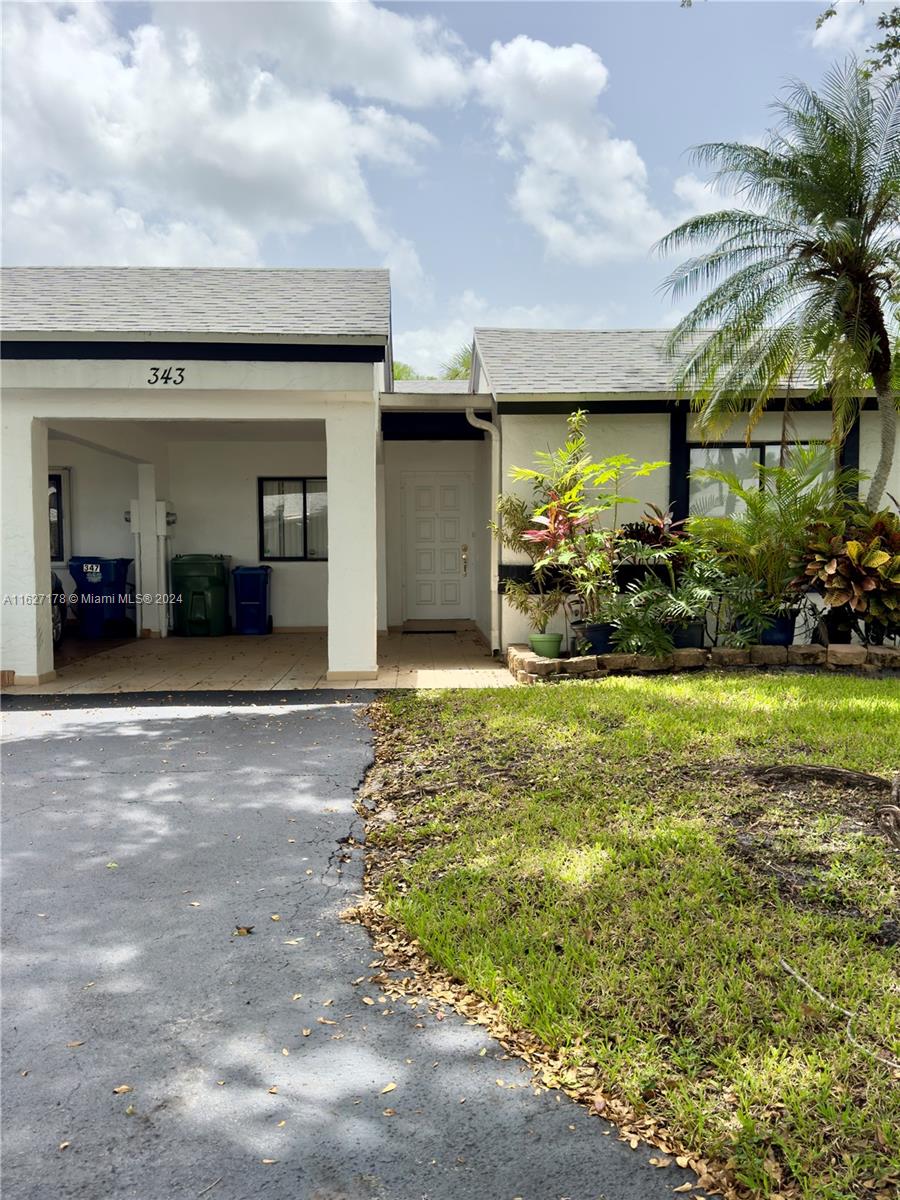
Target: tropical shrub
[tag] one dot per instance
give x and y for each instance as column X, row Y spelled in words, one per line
column 762, row 544
column 573, row 495
column 853, row 560
column 539, row 597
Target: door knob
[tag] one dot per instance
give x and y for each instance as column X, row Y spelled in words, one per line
column 465, row 559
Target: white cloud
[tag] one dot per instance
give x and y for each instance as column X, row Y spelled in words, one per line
column 194, row 134
column 350, row 45
column 51, row 225
column 583, row 190
column 429, row 346
column 849, row 31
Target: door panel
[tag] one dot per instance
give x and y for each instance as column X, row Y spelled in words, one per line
column 438, row 546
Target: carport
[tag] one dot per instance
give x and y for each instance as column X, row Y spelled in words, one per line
column 166, row 399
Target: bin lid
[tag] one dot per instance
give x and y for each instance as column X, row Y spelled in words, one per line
column 79, row 559
column 201, row 558
column 261, row 570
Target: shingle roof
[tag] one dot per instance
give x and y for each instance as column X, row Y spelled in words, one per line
column 581, row 360
column 575, row 360
column 303, row 303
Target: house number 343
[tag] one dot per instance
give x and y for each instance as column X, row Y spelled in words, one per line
column 173, row 375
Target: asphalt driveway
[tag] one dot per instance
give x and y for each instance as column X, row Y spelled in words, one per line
column 136, row 840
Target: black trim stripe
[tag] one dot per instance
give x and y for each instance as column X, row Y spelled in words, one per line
column 430, row 427
column 193, row 351
column 564, row 407
column 679, row 463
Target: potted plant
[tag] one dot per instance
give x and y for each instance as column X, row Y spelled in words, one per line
column 761, row 545
column 573, row 495
column 537, row 596
column 539, row 607
column 667, row 608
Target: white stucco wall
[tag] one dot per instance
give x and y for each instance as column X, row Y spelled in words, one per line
column 869, row 450
column 213, row 487
column 101, row 488
column 472, row 457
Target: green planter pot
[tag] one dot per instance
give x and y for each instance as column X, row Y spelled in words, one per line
column 546, row 644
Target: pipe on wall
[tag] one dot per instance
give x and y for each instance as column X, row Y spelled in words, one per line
column 496, row 610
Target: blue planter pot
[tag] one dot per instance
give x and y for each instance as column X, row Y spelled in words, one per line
column 689, row 637
column 780, row 632
column 598, row 636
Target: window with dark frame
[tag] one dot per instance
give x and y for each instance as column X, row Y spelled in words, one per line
column 709, row 497
column 293, row 519
column 58, row 515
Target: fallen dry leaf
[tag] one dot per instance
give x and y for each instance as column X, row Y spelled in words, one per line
column 130, row 1110
column 367, row 1000
column 306, row 1032
column 297, row 996
column 390, row 1087
column 273, row 1090
column 389, row 1112
column 64, row 1145
column 73, row 1045
column 268, row 1161
column 281, row 1124
column 274, row 917
column 284, row 1050
column 122, row 1089
column 685, row 1187
column 194, row 903
column 325, row 1021
column 242, row 931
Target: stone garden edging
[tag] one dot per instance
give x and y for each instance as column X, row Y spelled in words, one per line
column 528, row 667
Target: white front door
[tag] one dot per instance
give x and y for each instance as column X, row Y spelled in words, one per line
column 438, row 519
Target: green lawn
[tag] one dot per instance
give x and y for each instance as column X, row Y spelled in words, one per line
column 594, row 860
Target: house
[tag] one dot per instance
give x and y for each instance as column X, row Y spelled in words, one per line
column 253, row 413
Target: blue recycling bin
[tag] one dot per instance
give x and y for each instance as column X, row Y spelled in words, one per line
column 102, row 588
column 251, row 599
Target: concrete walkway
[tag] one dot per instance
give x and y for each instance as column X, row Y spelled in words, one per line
column 136, row 840
column 279, row 662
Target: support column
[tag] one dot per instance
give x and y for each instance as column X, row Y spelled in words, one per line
column 27, row 628
column 350, row 430
column 151, row 584
column 381, row 564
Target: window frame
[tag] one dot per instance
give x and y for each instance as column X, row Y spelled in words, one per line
column 64, row 494
column 759, row 447
column 304, row 481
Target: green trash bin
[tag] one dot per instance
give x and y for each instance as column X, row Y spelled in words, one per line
column 201, row 581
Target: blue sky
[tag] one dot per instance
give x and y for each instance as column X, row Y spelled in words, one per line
column 512, row 163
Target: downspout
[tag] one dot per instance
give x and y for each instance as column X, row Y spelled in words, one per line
column 496, row 609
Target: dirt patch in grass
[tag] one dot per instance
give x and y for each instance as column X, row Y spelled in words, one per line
column 823, row 847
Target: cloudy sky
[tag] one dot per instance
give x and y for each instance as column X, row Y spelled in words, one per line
column 512, row 163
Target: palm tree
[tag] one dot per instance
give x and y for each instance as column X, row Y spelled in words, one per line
column 459, row 365
column 807, row 275
column 403, row 370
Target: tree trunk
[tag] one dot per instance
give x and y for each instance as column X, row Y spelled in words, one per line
column 887, row 411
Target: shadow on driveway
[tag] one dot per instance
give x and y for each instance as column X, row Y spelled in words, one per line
column 136, row 839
